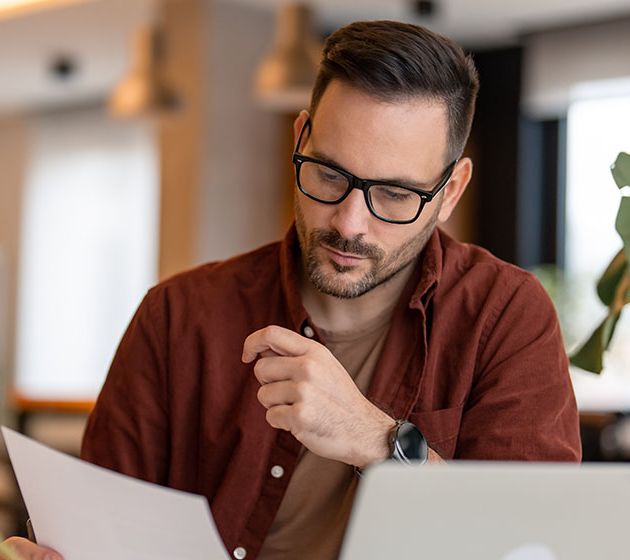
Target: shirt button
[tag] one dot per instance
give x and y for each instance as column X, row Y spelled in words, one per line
column 239, row 553
column 308, row 331
column 277, row 471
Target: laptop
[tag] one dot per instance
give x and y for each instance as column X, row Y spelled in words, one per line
column 491, row 511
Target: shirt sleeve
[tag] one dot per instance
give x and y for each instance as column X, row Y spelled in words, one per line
column 521, row 405
column 128, row 429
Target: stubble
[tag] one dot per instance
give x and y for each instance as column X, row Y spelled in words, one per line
column 336, row 280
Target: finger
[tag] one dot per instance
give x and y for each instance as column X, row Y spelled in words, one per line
column 275, row 368
column 282, row 392
column 27, row 549
column 278, row 339
column 279, row 417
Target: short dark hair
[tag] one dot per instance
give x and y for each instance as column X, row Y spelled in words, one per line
column 392, row 61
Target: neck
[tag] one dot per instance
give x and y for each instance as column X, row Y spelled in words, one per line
column 335, row 314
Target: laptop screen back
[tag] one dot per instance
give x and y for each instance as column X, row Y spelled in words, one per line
column 491, row 511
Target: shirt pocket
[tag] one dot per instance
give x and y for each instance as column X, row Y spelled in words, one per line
column 440, row 428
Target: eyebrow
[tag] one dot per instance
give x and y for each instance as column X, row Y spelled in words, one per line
column 389, row 180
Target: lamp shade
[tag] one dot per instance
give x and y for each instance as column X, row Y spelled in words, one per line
column 143, row 91
column 285, row 77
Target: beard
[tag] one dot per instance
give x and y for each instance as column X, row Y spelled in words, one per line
column 333, row 279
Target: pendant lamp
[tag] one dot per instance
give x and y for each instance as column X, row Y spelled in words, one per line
column 285, row 77
column 143, row 91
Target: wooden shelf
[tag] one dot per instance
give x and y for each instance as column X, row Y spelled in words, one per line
column 22, row 403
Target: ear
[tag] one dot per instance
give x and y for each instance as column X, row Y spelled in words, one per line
column 455, row 188
column 298, row 124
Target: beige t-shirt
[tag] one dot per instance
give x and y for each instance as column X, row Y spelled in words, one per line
column 314, row 512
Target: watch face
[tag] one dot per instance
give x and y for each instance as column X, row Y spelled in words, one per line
column 410, row 443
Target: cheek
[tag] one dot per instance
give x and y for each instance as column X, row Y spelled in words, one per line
column 391, row 237
column 404, row 241
column 311, row 214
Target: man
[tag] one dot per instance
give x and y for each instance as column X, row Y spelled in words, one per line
column 268, row 381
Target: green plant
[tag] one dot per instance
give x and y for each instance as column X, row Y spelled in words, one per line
column 613, row 288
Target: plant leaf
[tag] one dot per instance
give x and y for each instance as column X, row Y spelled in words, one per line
column 622, row 224
column 621, row 170
column 607, row 284
column 609, row 328
column 590, row 356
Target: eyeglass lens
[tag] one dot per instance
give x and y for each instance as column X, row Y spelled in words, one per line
column 388, row 201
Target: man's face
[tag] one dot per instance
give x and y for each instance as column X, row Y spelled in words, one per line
column 347, row 251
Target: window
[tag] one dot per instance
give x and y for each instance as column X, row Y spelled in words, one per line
column 88, row 252
column 598, row 129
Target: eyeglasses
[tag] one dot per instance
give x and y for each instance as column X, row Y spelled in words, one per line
column 390, row 202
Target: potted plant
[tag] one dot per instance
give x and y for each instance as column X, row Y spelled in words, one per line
column 613, row 288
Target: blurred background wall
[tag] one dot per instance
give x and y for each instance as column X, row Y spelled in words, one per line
column 96, row 207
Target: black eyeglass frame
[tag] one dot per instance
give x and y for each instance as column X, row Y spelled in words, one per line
column 364, row 185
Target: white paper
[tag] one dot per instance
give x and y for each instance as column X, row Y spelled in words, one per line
column 84, row 511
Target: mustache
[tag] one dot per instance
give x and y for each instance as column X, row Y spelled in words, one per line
column 355, row 246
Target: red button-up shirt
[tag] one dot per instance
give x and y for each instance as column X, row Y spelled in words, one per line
column 474, row 357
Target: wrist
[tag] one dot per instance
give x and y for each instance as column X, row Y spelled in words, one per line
column 377, row 448
column 434, row 457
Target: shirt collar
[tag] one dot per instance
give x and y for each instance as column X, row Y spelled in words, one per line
column 430, row 270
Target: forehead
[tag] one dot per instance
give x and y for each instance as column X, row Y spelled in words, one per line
column 376, row 138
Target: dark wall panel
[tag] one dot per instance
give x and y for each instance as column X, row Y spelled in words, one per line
column 496, row 138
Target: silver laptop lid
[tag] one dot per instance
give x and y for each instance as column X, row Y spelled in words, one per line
column 491, row 511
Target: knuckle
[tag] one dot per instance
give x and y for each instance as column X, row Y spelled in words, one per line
column 300, row 414
column 16, row 543
column 302, row 390
column 318, row 349
column 309, row 368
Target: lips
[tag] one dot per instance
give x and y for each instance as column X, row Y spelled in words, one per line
column 343, row 259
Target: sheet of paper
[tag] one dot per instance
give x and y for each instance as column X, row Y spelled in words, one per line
column 84, row 511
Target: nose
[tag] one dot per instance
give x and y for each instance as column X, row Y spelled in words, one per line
column 352, row 216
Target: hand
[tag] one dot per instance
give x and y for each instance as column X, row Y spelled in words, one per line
column 27, row 550
column 308, row 392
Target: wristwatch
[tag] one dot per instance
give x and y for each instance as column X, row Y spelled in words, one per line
column 407, row 444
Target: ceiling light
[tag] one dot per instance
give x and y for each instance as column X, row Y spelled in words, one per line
column 9, row 8
column 284, row 79
column 143, row 91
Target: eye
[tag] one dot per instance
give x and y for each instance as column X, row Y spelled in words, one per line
column 395, row 194
column 329, row 175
